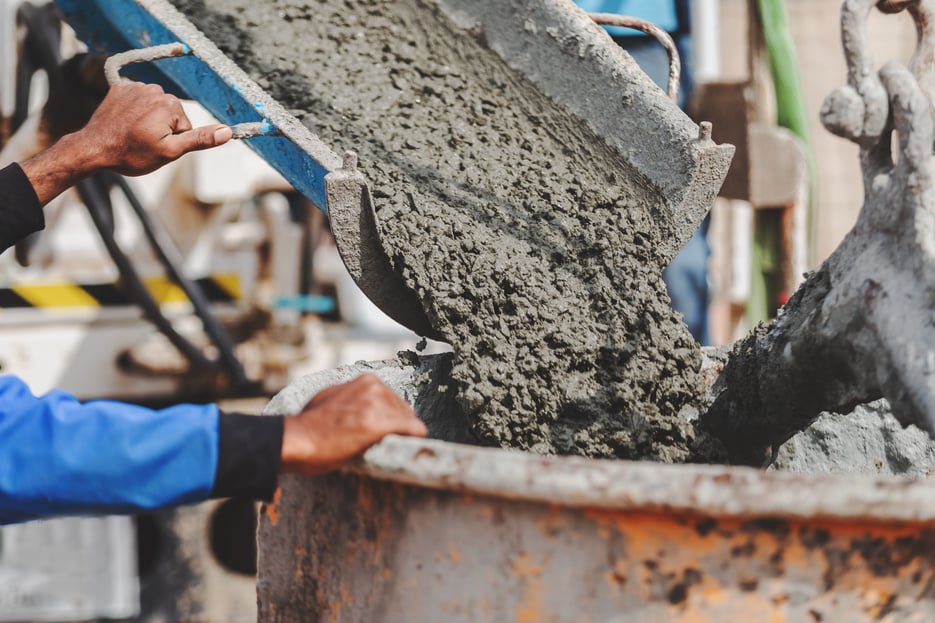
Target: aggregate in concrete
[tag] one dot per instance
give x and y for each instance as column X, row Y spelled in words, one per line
column 535, row 249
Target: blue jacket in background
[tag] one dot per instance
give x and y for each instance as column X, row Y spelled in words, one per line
column 663, row 13
column 61, row 457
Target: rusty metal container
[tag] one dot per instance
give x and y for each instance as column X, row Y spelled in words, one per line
column 430, row 530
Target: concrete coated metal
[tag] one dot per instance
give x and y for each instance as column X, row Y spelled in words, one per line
column 429, row 530
column 860, row 327
column 558, row 48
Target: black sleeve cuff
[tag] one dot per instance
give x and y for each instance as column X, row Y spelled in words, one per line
column 249, row 455
column 20, row 210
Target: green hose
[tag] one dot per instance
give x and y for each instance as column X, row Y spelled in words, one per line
column 791, row 113
column 790, row 98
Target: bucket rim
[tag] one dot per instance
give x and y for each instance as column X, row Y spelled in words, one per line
column 616, row 485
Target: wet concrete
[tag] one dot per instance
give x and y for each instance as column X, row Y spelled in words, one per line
column 533, row 246
column 869, row 440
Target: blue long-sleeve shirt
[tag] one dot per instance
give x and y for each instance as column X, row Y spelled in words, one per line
column 59, row 456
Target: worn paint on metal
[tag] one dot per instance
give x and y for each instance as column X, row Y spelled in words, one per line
column 428, row 530
column 269, row 510
column 388, row 548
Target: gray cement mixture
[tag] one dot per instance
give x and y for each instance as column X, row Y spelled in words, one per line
column 870, row 440
column 532, row 245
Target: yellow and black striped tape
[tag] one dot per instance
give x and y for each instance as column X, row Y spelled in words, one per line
column 223, row 288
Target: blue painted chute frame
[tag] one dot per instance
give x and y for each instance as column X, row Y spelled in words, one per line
column 113, row 26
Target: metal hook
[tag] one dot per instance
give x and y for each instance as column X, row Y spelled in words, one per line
column 675, row 61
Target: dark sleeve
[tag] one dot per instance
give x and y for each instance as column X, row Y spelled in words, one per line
column 249, row 455
column 20, row 211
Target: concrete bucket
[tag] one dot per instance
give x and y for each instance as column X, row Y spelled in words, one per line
column 430, row 530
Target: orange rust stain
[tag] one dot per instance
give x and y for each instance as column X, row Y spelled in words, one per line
column 697, row 616
column 468, row 498
column 526, row 567
column 486, row 511
column 387, row 574
column 270, row 509
column 425, row 452
column 454, row 554
column 618, row 574
column 874, row 602
column 365, row 499
column 650, row 529
column 528, row 611
column 552, row 523
column 485, row 608
column 711, row 593
column 711, row 602
column 675, row 539
column 528, row 571
column 530, row 608
column 299, row 550
column 334, row 607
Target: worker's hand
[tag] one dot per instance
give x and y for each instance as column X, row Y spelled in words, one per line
column 341, row 422
column 136, row 129
column 139, row 128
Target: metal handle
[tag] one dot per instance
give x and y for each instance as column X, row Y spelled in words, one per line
column 626, row 21
column 115, row 63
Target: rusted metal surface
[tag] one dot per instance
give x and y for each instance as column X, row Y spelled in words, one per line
column 352, row 547
column 657, row 33
column 427, row 530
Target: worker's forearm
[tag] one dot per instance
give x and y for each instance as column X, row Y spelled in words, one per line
column 61, row 457
column 63, row 165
